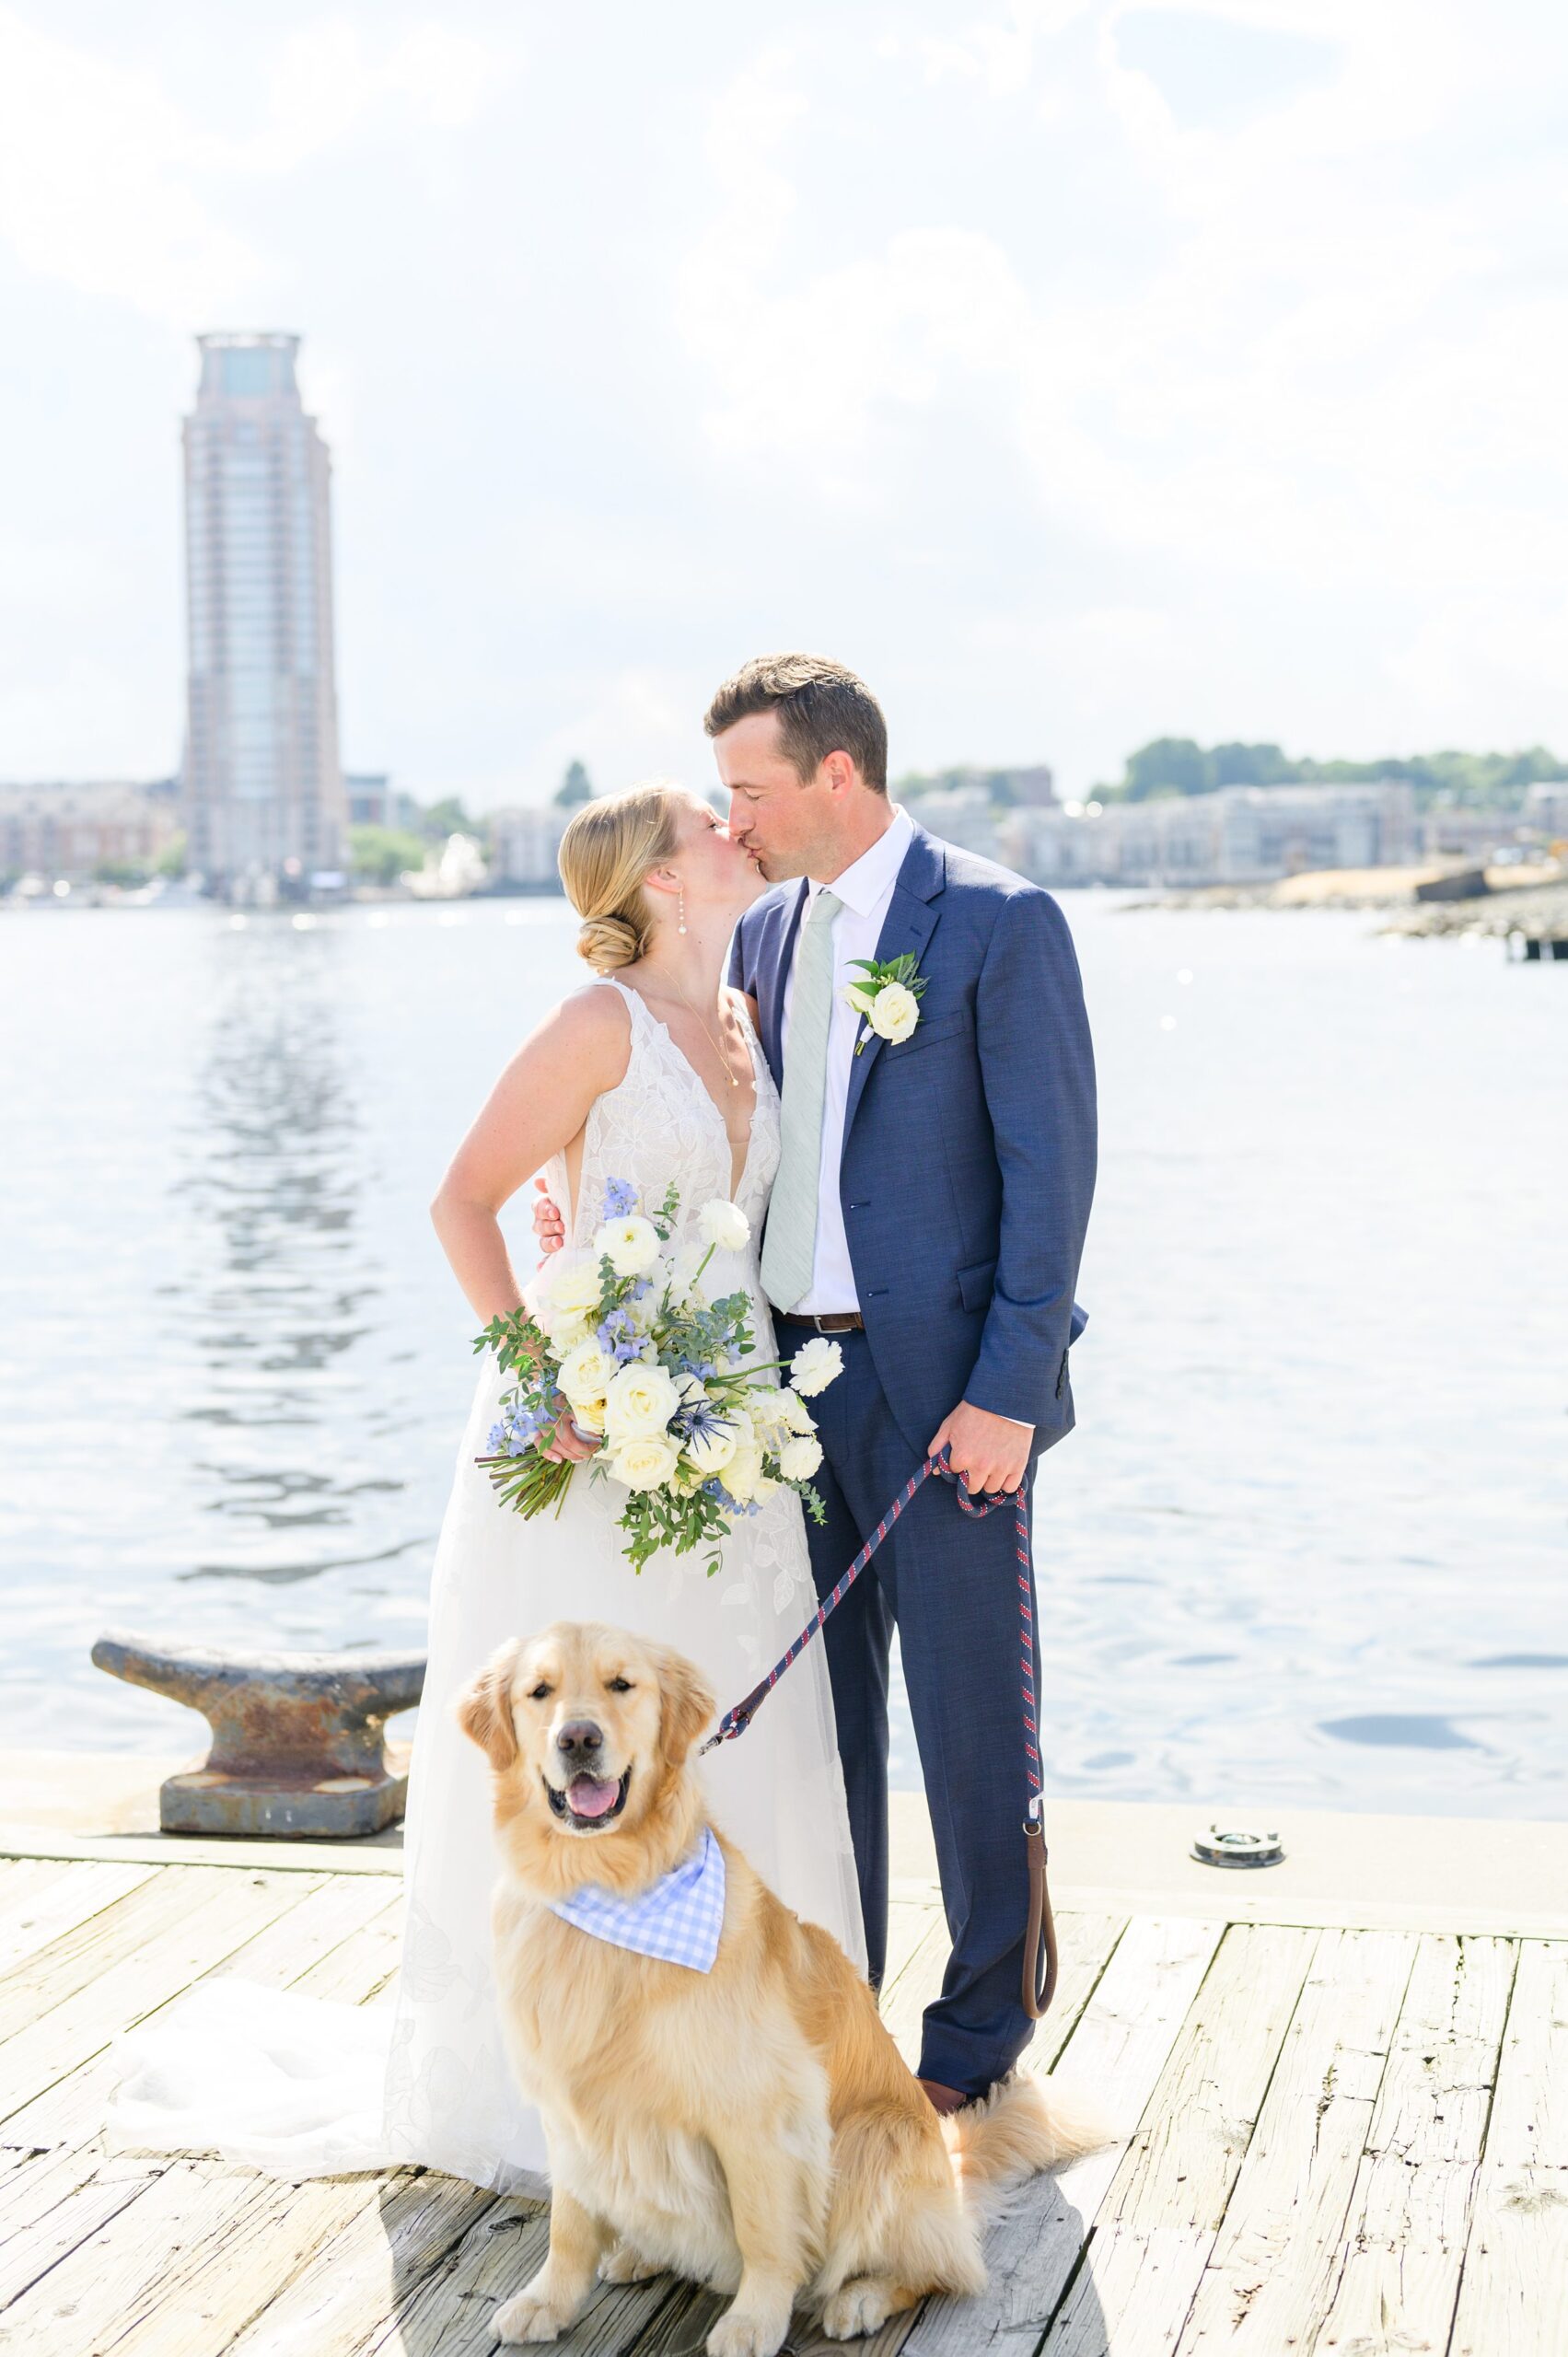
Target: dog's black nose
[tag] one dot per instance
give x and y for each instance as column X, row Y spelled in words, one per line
column 579, row 1739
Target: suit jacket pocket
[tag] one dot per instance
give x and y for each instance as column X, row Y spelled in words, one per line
column 925, row 1035
column 977, row 1285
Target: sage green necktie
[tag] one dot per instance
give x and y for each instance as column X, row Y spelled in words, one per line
column 789, row 1247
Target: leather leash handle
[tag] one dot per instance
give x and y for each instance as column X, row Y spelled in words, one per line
column 1041, row 1963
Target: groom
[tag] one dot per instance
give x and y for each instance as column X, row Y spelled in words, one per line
column 929, row 1214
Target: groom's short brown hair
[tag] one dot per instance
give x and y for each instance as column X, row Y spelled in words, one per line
column 822, row 709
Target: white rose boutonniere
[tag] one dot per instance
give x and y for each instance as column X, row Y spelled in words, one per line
column 888, row 998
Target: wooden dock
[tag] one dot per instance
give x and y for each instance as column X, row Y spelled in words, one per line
column 1346, row 2139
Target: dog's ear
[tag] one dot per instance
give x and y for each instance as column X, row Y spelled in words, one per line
column 687, row 1705
column 485, row 1709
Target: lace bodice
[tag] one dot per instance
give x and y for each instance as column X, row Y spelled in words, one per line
column 659, row 1126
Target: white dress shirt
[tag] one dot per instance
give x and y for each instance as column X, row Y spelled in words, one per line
column 866, row 890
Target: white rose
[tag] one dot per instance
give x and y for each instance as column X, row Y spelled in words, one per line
column 570, row 1286
column 589, row 1415
column 645, row 1461
column 586, row 1373
column 563, row 1331
column 711, row 1451
column 639, row 1401
column 860, row 998
column 799, row 1459
column 743, row 1475
column 724, row 1225
column 895, row 1012
column 629, row 1245
column 816, row 1364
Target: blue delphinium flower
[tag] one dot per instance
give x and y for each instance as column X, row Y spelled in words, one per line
column 620, row 1199
column 619, row 1338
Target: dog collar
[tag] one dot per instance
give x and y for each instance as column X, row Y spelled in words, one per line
column 677, row 1918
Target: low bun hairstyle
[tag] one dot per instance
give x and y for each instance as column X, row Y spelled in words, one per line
column 606, row 854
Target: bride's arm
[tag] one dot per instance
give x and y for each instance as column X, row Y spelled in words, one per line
column 535, row 1110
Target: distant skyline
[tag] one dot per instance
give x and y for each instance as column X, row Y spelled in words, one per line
column 1082, row 371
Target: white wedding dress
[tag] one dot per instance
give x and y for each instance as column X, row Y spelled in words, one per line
column 303, row 2087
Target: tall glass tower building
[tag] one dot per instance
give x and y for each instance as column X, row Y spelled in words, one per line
column 262, row 787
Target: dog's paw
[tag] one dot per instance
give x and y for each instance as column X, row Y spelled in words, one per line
column 736, row 2336
column 861, row 2307
column 528, row 2318
column 625, row 2264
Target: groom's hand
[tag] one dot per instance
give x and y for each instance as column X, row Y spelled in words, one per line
column 547, row 1223
column 990, row 1452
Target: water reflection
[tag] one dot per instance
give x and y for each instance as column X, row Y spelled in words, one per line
column 283, row 1290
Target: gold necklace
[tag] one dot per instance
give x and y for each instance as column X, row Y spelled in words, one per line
column 723, row 1060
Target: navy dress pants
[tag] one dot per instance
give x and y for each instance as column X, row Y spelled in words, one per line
column 950, row 1582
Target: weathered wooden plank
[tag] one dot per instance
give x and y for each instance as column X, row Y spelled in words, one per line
column 1084, row 1945
column 1133, row 1985
column 224, row 2241
column 37, row 1919
column 1398, row 2273
column 1157, row 2225
column 59, row 2041
column 350, row 2287
column 909, row 1922
column 81, row 1954
column 1510, row 2289
column 450, row 2310
column 55, row 2201
column 1268, row 2281
column 22, row 1879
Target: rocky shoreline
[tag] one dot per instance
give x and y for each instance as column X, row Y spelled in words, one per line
column 1534, row 904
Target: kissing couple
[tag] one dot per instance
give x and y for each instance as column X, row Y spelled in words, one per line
column 918, row 1179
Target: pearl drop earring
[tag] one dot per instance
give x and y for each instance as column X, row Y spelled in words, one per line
column 681, row 926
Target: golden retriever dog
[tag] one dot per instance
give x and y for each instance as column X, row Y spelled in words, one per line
column 752, row 2128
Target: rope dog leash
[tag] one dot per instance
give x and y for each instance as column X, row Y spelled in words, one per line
column 1040, row 1940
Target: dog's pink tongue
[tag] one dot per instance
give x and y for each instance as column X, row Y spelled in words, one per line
column 588, row 1797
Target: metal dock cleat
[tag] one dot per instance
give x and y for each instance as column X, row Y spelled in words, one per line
column 298, row 1747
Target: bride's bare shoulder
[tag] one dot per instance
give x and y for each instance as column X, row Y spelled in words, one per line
column 595, row 1026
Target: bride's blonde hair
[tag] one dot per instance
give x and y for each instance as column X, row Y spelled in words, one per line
column 606, row 856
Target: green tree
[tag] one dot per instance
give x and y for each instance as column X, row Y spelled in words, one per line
column 444, row 818
column 380, row 855
column 172, row 859
column 1168, row 765
column 575, row 787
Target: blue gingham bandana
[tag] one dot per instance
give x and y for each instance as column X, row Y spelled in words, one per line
column 677, row 1919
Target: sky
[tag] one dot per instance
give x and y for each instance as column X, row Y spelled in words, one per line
column 1080, row 371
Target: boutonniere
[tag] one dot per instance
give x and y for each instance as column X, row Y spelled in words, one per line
column 889, row 997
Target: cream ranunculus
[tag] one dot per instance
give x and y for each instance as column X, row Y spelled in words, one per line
column 724, row 1226
column 816, row 1364
column 894, row 1013
column 765, row 1405
column 799, row 1459
column 793, row 1414
column 640, row 1401
column 629, row 1245
column 586, row 1373
column 644, row 1461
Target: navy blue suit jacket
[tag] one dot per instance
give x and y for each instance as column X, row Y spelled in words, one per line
column 967, row 1161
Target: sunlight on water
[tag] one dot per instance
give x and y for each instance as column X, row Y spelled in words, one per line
column 1308, row 1543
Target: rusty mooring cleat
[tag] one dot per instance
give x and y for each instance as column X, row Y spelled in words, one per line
column 297, row 1747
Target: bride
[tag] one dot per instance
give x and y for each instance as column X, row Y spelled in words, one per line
column 652, row 1074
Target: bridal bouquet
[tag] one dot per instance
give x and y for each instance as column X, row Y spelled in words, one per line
column 624, row 1337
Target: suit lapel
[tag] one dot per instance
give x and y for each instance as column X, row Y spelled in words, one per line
column 909, row 924
column 780, row 949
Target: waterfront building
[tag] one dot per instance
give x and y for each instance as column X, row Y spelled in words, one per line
column 523, row 846
column 68, row 832
column 263, row 792
column 373, row 801
column 1546, row 808
column 1239, row 834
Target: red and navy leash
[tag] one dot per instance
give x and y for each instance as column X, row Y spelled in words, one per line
column 1039, row 1943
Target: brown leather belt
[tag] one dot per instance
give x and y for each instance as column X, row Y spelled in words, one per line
column 833, row 1321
